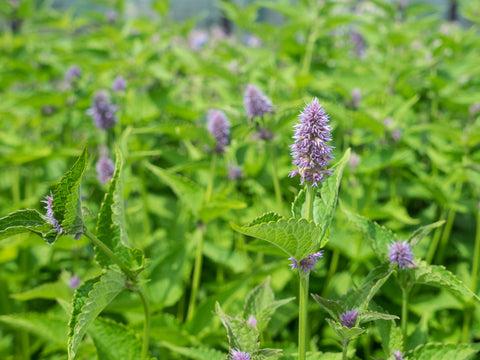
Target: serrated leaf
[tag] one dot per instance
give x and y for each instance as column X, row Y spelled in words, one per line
column 332, row 307
column 115, row 341
column 379, row 236
column 345, row 333
column 438, row 276
column 297, row 238
column 360, row 298
column 27, row 220
column 89, row 301
column 325, row 198
column 423, row 231
column 391, row 336
column 367, row 316
column 444, row 351
column 241, row 335
column 191, row 194
column 67, row 202
column 261, row 304
column 111, row 223
column 265, row 218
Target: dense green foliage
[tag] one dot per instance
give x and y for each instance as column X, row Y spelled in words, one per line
column 175, row 235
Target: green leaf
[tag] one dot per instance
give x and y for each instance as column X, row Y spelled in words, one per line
column 297, row 238
column 241, row 335
column 423, row 231
column 345, row 333
column 265, row 218
column 46, row 326
column 391, row 336
column 217, row 207
column 367, row 316
column 444, row 351
column 191, row 194
column 261, row 304
column 115, row 341
column 360, row 298
column 67, row 202
column 111, row 223
column 196, row 353
column 89, row 301
column 51, row 290
column 27, row 220
column 379, row 236
column 438, row 276
column 332, row 307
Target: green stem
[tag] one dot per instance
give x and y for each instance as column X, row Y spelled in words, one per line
column 197, row 272
column 310, row 196
column 331, row 271
column 276, row 183
column 345, row 348
column 404, row 315
column 146, row 327
column 312, row 38
column 213, row 164
column 436, row 240
column 302, row 316
column 98, row 243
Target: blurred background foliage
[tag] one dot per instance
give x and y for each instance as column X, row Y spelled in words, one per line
column 400, row 81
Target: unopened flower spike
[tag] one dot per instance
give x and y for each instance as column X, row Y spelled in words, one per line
column 105, row 169
column 119, row 83
column 256, row 102
column 219, row 127
column 400, row 253
column 102, row 110
column 239, row 355
column 348, row 318
column 308, row 263
column 49, row 207
column 310, row 151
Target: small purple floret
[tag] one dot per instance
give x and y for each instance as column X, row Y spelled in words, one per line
column 102, row 111
column 256, row 102
column 400, row 253
column 219, row 127
column 240, row 355
column 119, row 83
column 49, row 207
column 73, row 73
column 398, row 355
column 105, row 169
column 348, row 318
column 74, row 282
column 252, row 321
column 310, row 151
column 308, row 263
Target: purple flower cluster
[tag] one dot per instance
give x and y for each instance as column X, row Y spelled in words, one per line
column 358, row 43
column 348, row 318
column 49, row 207
column 73, row 73
column 74, row 282
column 398, row 355
column 400, row 253
column 310, row 151
column 240, row 355
column 105, row 169
column 308, row 263
column 356, row 97
column 119, row 83
column 219, row 127
column 102, row 110
column 256, row 102
column 234, row 172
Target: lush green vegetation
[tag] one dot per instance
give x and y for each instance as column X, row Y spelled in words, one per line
column 173, row 246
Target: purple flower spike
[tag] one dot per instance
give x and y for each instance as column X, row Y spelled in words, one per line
column 310, row 151
column 105, row 169
column 73, row 73
column 119, row 84
column 102, row 111
column 398, row 355
column 219, row 127
column 256, row 102
column 400, row 253
column 240, row 355
column 234, row 172
column 74, row 282
column 308, row 263
column 252, row 321
column 348, row 318
column 356, row 97
column 49, row 207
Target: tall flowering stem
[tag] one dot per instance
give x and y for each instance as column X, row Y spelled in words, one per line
column 311, row 154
